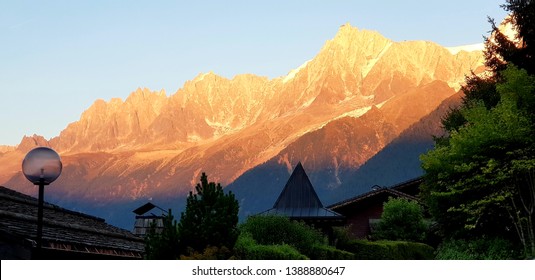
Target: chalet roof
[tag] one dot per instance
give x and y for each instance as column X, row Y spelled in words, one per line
column 376, row 192
column 298, row 199
column 64, row 229
column 411, row 187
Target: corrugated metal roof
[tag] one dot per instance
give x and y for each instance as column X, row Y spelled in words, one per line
column 298, row 199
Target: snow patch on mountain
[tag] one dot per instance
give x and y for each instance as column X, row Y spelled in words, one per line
column 368, row 67
column 466, row 48
column 294, row 72
column 355, row 113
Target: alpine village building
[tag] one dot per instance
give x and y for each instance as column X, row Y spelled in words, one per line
column 72, row 235
column 66, row 234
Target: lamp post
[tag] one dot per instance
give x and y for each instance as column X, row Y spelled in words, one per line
column 41, row 166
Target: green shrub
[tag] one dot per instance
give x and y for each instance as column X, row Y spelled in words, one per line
column 480, row 249
column 342, row 236
column 247, row 248
column 209, row 253
column 273, row 230
column 402, row 219
column 324, row 252
column 389, row 250
column 366, row 250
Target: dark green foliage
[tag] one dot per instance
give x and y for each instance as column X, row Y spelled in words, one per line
column 209, row 253
column 276, row 237
column 210, row 218
column 502, row 50
column 389, row 250
column 164, row 245
column 247, row 248
column 270, row 230
column 451, row 122
column 401, row 220
column 479, row 89
column 479, row 249
column 342, row 236
column 325, row 252
column 471, row 184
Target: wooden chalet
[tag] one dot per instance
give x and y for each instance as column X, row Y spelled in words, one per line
column 299, row 201
column 66, row 234
column 364, row 211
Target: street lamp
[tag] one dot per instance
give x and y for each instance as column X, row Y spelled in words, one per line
column 41, row 166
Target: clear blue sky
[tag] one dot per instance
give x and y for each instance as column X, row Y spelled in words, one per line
column 58, row 57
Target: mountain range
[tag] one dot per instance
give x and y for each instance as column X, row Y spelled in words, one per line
column 359, row 113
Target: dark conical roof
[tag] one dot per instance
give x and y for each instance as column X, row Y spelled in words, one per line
column 298, row 192
column 298, row 199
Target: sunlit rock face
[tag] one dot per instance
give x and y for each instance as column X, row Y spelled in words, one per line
column 334, row 112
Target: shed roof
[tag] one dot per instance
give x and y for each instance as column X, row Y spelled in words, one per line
column 298, row 199
column 64, row 229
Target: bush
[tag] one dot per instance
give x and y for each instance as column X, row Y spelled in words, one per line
column 402, row 219
column 480, row 249
column 389, row 250
column 342, row 236
column 324, row 252
column 247, row 248
column 272, row 230
column 209, row 253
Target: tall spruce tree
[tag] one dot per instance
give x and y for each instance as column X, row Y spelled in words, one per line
column 210, row 218
column 500, row 50
column 520, row 50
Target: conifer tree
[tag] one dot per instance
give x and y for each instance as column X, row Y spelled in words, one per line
column 500, row 50
column 210, row 218
column 163, row 245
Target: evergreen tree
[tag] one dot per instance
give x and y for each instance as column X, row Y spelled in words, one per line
column 163, row 245
column 210, row 218
column 500, row 50
column 520, row 50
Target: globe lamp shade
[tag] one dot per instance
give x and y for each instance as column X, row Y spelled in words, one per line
column 42, row 165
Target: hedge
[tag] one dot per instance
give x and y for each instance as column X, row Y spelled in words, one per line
column 389, row 250
column 247, row 248
column 324, row 252
column 276, row 230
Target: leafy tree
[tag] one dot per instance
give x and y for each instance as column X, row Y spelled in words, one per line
column 210, row 218
column 165, row 244
column 521, row 207
column 401, row 220
column 483, row 248
column 477, row 177
column 470, row 184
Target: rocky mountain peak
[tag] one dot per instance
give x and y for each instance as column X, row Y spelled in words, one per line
column 29, row 142
column 336, row 111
